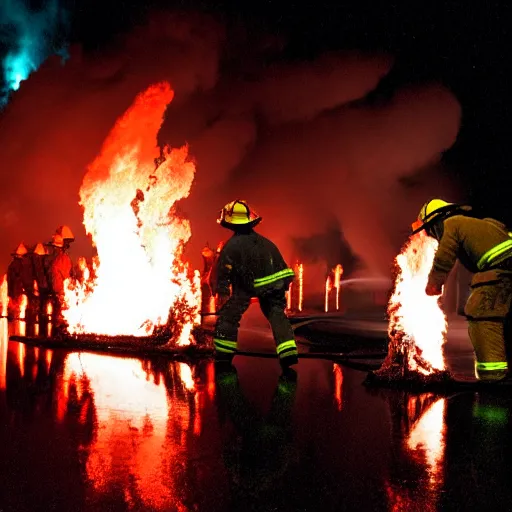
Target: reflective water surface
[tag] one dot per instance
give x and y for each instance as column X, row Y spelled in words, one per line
column 82, row 431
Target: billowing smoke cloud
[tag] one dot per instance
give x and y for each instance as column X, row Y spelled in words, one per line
column 294, row 139
column 29, row 37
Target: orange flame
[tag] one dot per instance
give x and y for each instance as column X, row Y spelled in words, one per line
column 328, row 288
column 338, row 272
column 416, row 319
column 4, row 296
column 300, row 269
column 289, row 297
column 129, row 210
column 23, row 306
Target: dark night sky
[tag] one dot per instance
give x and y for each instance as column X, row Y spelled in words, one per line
column 464, row 46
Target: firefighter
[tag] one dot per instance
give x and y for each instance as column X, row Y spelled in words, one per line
column 253, row 266
column 42, row 278
column 60, row 270
column 67, row 235
column 484, row 247
column 16, row 279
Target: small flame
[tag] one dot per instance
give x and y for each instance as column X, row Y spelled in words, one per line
column 23, row 306
column 328, row 288
column 417, row 326
column 338, row 272
column 129, row 205
column 300, row 271
column 4, row 296
column 289, row 297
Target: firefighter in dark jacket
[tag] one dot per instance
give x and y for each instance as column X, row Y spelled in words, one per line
column 253, row 267
column 484, row 247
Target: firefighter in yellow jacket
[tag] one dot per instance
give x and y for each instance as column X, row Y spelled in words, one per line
column 252, row 266
column 484, row 247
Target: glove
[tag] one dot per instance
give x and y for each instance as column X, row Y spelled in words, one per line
column 433, row 289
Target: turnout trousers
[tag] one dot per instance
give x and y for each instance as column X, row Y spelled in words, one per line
column 488, row 313
column 272, row 303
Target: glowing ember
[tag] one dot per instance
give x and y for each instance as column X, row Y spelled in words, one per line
column 4, row 296
column 417, row 324
column 138, row 281
column 300, row 271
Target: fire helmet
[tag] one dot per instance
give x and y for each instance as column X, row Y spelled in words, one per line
column 434, row 210
column 66, row 233
column 21, row 250
column 57, row 241
column 238, row 213
column 39, row 249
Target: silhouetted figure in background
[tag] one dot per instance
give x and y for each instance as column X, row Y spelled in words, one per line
column 60, row 271
column 20, row 280
column 42, row 279
column 67, row 236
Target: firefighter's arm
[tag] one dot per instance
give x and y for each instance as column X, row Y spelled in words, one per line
column 444, row 260
column 221, row 277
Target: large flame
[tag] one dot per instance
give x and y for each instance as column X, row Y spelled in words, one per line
column 129, row 196
column 417, row 324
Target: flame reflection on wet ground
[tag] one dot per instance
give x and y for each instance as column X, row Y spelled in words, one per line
column 82, row 431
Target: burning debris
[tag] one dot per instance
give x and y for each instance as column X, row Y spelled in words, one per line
column 140, row 286
column 417, row 324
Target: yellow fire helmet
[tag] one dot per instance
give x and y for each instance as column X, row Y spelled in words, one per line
column 57, row 241
column 39, row 249
column 21, row 250
column 238, row 213
column 433, row 210
column 66, row 233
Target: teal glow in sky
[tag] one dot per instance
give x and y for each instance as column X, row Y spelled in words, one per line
column 30, row 37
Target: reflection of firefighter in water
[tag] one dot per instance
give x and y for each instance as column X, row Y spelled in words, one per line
column 484, row 247
column 60, row 270
column 260, row 451
column 20, row 280
column 254, row 267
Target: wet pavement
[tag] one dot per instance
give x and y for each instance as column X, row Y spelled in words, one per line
column 84, row 431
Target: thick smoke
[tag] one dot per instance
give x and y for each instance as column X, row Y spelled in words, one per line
column 294, row 139
column 29, row 37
